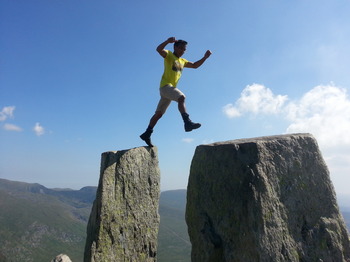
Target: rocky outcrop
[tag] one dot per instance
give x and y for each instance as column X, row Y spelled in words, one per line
column 264, row 199
column 61, row 258
column 124, row 220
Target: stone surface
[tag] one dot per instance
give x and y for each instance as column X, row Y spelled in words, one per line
column 61, row 258
column 264, row 199
column 124, row 220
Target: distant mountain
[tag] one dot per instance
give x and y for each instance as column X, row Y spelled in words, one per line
column 346, row 216
column 173, row 241
column 37, row 223
column 344, row 202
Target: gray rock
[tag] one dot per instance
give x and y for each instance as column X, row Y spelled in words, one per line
column 124, row 220
column 264, row 199
column 61, row 258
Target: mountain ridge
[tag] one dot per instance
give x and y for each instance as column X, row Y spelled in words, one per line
column 25, row 205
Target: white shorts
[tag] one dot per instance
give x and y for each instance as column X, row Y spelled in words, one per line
column 168, row 93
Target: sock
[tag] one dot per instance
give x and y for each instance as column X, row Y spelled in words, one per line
column 185, row 116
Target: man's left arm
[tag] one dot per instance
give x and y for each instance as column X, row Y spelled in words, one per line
column 199, row 62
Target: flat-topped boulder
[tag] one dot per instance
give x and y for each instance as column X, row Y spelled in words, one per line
column 264, row 199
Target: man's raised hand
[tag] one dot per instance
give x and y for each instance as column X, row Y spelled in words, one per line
column 171, row 39
column 207, row 54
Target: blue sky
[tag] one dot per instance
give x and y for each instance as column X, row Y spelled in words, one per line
column 79, row 78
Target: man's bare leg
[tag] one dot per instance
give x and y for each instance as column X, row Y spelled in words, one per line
column 157, row 115
column 189, row 125
column 181, row 104
column 146, row 136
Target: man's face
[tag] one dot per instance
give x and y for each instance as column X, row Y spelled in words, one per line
column 179, row 50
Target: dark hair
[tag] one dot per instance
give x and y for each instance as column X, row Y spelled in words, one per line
column 180, row 42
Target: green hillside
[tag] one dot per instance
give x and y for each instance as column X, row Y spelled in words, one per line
column 37, row 223
column 173, row 242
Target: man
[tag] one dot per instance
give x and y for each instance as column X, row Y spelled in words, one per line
column 173, row 66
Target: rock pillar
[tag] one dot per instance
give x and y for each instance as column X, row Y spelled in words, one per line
column 264, row 199
column 124, row 220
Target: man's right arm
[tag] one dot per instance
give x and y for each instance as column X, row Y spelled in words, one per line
column 161, row 47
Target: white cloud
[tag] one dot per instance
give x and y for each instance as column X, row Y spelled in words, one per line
column 231, row 111
column 324, row 111
column 255, row 99
column 7, row 112
column 11, row 127
column 38, row 129
column 187, row 140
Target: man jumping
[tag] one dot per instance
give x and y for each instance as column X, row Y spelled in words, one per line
column 173, row 66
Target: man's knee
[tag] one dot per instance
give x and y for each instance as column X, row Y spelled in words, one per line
column 181, row 99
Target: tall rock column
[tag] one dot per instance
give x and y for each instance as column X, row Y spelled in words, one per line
column 264, row 199
column 124, row 220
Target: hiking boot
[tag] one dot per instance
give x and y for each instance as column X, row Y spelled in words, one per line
column 146, row 136
column 189, row 125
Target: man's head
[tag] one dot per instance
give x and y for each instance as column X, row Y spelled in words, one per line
column 180, row 47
